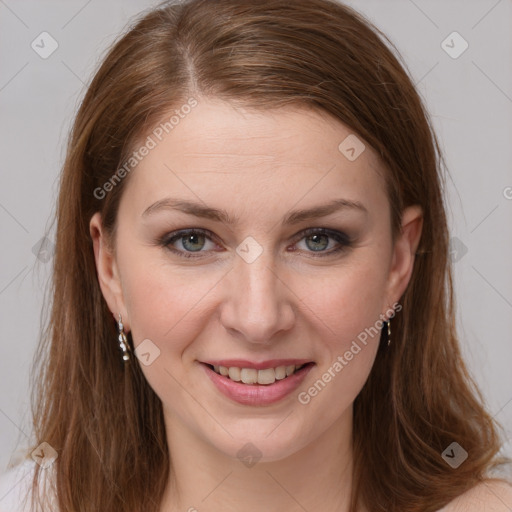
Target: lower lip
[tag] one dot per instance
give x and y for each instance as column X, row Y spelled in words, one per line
column 257, row 394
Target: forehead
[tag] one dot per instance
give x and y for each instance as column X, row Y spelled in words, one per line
column 229, row 156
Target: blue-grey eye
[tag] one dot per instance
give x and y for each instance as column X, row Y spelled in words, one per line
column 189, row 241
column 323, row 241
column 318, row 242
column 193, row 241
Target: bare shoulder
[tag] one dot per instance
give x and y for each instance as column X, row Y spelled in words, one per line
column 489, row 496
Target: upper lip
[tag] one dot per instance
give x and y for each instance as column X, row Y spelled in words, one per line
column 257, row 365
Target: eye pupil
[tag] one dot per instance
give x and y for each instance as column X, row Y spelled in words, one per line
column 317, row 239
column 193, row 239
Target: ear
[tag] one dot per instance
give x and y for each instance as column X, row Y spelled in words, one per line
column 404, row 252
column 107, row 270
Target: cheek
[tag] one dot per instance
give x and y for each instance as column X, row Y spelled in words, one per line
column 164, row 302
column 348, row 300
column 347, row 331
column 167, row 306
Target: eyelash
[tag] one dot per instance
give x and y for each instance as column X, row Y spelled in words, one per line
column 341, row 238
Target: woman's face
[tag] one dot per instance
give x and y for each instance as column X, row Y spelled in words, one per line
column 288, row 259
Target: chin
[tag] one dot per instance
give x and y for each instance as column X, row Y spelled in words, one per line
column 264, row 444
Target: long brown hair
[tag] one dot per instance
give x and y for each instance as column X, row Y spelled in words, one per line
column 104, row 420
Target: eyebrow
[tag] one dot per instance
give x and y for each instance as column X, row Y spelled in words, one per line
column 294, row 217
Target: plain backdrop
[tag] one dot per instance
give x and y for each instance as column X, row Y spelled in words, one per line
column 469, row 97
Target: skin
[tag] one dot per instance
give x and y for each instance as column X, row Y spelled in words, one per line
column 259, row 166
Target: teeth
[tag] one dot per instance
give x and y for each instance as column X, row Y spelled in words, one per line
column 267, row 376
column 234, row 373
column 253, row 376
column 280, row 372
column 248, row 375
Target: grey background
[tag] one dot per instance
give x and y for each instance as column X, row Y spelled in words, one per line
column 470, row 100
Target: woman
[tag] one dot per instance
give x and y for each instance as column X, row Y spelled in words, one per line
column 252, row 301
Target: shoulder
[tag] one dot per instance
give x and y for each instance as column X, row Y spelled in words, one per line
column 489, row 496
column 15, row 485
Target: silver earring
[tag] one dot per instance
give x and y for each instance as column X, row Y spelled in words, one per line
column 389, row 331
column 123, row 342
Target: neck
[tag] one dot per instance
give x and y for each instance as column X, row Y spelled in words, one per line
column 316, row 477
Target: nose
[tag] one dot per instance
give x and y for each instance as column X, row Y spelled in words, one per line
column 258, row 303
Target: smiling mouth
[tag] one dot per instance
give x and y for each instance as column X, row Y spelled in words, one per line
column 249, row 376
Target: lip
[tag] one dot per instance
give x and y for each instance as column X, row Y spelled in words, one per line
column 257, row 394
column 262, row 365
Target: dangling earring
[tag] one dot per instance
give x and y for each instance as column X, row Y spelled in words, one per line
column 123, row 342
column 389, row 331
